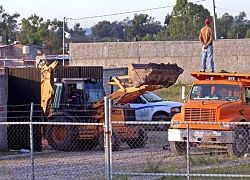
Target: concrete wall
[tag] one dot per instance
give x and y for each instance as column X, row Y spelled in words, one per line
column 231, row 55
column 3, row 113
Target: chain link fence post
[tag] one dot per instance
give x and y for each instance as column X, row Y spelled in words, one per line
column 188, row 154
column 32, row 141
column 107, row 134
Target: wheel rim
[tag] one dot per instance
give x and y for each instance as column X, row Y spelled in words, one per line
column 59, row 133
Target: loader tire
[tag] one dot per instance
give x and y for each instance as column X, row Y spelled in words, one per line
column 178, row 148
column 115, row 140
column 240, row 143
column 61, row 137
column 140, row 141
column 87, row 144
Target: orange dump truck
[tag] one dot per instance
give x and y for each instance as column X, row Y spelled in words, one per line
column 215, row 100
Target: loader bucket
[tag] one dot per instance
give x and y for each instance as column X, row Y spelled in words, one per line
column 154, row 74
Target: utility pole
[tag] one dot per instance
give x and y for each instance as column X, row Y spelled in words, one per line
column 215, row 33
column 63, row 38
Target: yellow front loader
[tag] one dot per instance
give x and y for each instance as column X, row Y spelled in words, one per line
column 90, row 106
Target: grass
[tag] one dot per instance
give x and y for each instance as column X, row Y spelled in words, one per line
column 171, row 167
column 173, row 93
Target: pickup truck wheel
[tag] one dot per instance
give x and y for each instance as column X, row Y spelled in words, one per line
column 178, row 148
column 61, row 137
column 240, row 143
column 140, row 141
column 116, row 140
column 161, row 118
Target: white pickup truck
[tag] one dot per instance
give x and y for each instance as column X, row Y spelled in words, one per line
column 150, row 107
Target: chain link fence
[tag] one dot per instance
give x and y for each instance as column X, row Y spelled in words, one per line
column 122, row 150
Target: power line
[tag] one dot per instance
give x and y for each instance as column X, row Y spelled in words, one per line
column 128, row 12
column 230, row 10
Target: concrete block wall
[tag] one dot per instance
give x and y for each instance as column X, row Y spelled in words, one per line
column 3, row 113
column 231, row 55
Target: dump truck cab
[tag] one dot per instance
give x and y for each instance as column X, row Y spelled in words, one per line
column 214, row 100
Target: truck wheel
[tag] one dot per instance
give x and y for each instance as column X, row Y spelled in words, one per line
column 140, row 141
column 161, row 118
column 61, row 137
column 116, row 140
column 240, row 143
column 178, row 148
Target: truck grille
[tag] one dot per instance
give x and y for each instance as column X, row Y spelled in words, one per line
column 200, row 114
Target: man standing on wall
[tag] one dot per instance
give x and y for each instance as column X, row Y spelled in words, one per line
column 206, row 39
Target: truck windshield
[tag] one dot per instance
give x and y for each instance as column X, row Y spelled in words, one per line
column 216, row 92
column 151, row 97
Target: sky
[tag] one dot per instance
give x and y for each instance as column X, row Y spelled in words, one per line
column 83, row 9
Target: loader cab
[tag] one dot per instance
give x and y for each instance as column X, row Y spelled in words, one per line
column 76, row 93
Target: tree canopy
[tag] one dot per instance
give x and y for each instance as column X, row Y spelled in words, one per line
column 8, row 25
column 187, row 20
column 183, row 23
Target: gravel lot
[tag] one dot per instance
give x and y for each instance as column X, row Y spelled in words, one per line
column 90, row 164
column 83, row 164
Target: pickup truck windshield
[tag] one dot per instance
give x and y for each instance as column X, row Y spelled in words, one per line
column 151, row 97
column 223, row 92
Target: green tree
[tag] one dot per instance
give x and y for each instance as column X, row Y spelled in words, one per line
column 47, row 34
column 187, row 20
column 141, row 25
column 224, row 24
column 33, row 30
column 77, row 34
column 248, row 33
column 53, row 39
column 238, row 31
column 107, row 31
column 102, row 29
column 240, row 17
column 239, row 28
column 148, row 37
column 8, row 25
column 164, row 35
column 168, row 18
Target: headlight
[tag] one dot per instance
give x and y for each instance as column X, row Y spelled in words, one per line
column 175, row 110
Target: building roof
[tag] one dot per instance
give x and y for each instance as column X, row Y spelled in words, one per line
column 55, row 57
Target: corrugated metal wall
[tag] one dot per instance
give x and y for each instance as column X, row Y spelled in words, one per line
column 24, row 87
column 79, row 71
